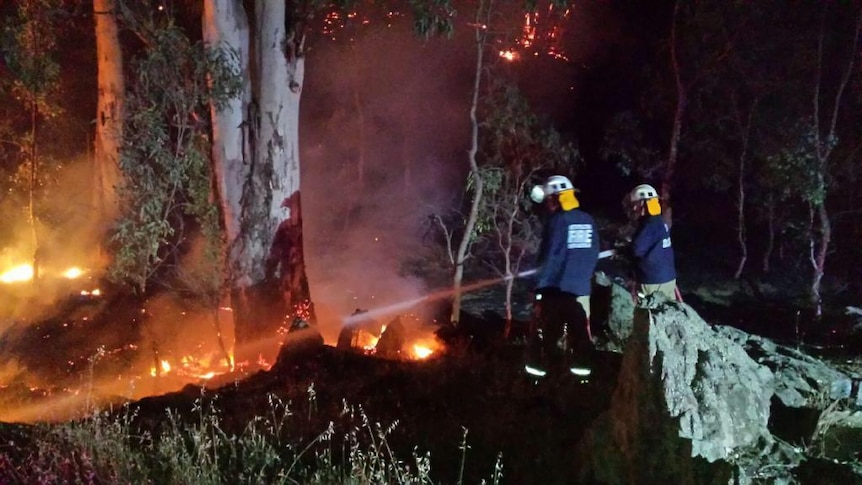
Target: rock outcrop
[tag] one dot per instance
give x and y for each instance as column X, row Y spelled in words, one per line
column 690, row 406
column 801, row 380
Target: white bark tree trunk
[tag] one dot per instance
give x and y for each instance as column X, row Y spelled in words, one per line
column 256, row 156
column 109, row 110
column 225, row 25
column 478, row 187
column 278, row 234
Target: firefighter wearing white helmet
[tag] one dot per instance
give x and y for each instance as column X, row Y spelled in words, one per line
column 651, row 245
column 568, row 254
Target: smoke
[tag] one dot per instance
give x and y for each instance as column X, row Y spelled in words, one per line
column 64, row 234
column 385, row 131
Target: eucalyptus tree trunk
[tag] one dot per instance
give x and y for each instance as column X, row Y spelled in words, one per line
column 256, row 157
column 744, row 131
column 475, row 173
column 225, row 25
column 274, row 223
column 109, row 109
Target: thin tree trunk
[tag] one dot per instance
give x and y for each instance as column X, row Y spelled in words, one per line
column 745, row 137
column 510, row 268
column 34, row 167
column 770, row 232
column 818, row 255
column 676, row 129
column 478, row 183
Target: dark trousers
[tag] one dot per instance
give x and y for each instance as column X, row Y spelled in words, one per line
column 559, row 334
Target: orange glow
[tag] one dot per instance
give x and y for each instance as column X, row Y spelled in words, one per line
column 366, row 340
column 509, row 55
column 164, row 367
column 73, row 272
column 424, row 348
column 195, row 367
column 262, row 362
column 17, row 274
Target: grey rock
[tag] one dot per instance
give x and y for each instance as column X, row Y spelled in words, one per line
column 689, row 403
column 801, row 380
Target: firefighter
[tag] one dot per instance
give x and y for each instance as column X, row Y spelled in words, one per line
column 560, row 339
column 650, row 246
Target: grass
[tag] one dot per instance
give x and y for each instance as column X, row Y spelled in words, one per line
column 109, row 447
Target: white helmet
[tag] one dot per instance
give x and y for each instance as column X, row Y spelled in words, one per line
column 643, row 192
column 554, row 185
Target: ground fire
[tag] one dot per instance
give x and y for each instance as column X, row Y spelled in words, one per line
column 90, row 346
column 404, row 337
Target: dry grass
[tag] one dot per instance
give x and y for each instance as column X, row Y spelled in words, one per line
column 108, row 447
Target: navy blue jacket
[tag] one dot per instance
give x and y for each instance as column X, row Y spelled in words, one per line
column 653, row 251
column 568, row 253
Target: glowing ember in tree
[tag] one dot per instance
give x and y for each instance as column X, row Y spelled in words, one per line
column 540, row 34
column 509, row 55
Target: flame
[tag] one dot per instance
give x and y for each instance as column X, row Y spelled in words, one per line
column 24, row 272
column 366, row 341
column 424, row 348
column 17, row 274
column 73, row 272
column 509, row 55
column 421, row 351
column 164, row 367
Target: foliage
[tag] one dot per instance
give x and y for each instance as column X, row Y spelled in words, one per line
column 165, row 157
column 628, row 146
column 433, row 17
column 29, row 46
column 795, row 170
column 516, row 144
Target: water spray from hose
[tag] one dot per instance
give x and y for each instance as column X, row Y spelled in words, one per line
column 444, row 293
